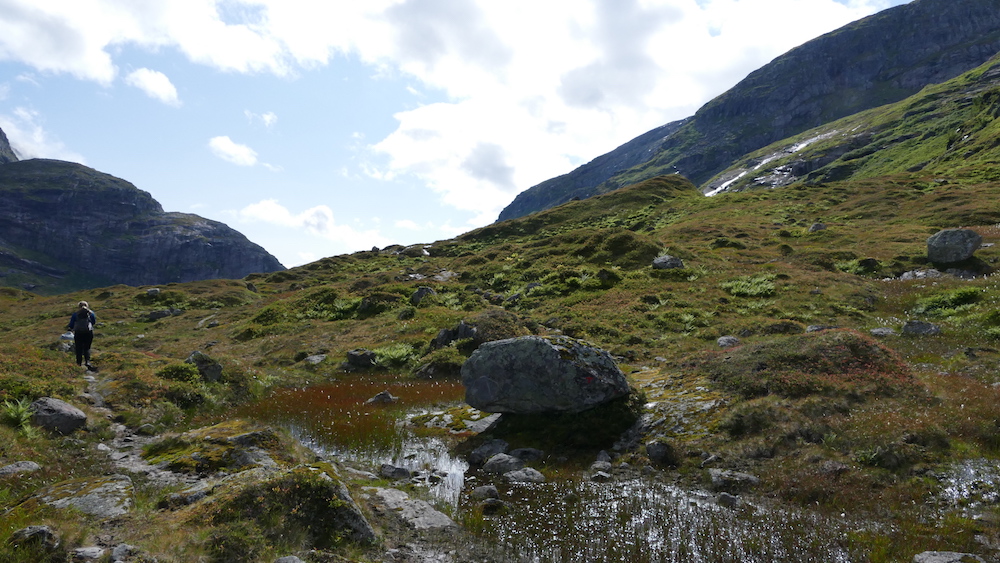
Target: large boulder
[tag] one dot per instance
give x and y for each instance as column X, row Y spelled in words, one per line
column 56, row 415
column 540, row 374
column 209, row 368
column 952, row 245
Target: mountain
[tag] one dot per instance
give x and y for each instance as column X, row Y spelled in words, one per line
column 948, row 130
column 877, row 60
column 65, row 226
column 6, row 152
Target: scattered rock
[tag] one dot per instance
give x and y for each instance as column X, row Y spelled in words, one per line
column 667, row 262
column 818, row 328
column 727, row 500
column 359, row 359
column 35, row 535
column 493, row 506
column 390, row 471
column 946, row 557
column 462, row 331
column 92, row 553
column 524, row 475
column 153, row 291
column 732, row 482
column 103, row 497
column 486, row 451
column 419, row 295
column 210, row 369
column 539, row 374
column 662, row 453
column 162, row 314
column 383, row 398
column 502, row 463
column 315, row 359
column 56, row 415
column 123, row 551
column 883, row 332
column 921, row 274
column 18, row 468
column 952, row 245
column 288, row 559
column 831, row 467
column 485, row 491
column 601, row 477
column 601, row 466
column 416, row 514
column 921, row 328
column 817, row 227
column 727, row 341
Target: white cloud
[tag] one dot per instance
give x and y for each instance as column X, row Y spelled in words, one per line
column 224, row 148
column 317, row 221
column 155, row 84
column 29, row 139
column 268, row 118
column 407, row 224
column 533, row 88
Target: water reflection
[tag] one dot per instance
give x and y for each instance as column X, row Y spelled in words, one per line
column 335, row 420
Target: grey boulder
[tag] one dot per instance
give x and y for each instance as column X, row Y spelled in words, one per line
column 667, row 262
column 952, row 245
column 541, row 374
column 57, row 416
column 946, row 557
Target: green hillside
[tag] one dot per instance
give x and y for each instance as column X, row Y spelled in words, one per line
column 891, row 416
column 950, row 130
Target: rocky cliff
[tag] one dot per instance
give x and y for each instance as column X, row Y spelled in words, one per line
column 877, row 60
column 64, row 225
column 6, row 152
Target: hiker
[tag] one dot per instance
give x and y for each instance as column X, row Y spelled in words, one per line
column 82, row 324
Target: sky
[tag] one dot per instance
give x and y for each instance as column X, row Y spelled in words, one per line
column 323, row 127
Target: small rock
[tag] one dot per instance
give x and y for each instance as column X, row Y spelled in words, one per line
column 390, row 471
column 831, row 467
column 920, row 274
column 601, row 466
column 35, row 535
column 485, row 491
column 288, row 559
column 667, row 262
column 19, row 467
column 123, row 551
column 419, row 295
column 87, row 553
column 359, row 359
column 819, row 328
column 153, row 292
column 921, row 328
column 209, row 368
column 662, row 452
column 493, row 506
column 601, row 477
column 315, row 359
column 146, row 430
column 524, row 475
column 732, row 481
column 817, row 227
column 486, row 451
column 946, row 557
column 383, row 398
column 727, row 341
column 883, row 332
column 603, row 456
column 727, row 500
column 502, row 463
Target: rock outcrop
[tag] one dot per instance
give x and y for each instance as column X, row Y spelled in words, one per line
column 95, row 230
column 537, row 374
column 6, row 152
column 877, row 60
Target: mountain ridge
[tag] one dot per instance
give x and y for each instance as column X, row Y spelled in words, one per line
column 876, row 60
column 65, row 226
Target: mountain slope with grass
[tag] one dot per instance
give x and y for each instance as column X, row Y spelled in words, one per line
column 861, row 447
column 877, row 60
column 949, row 129
column 64, row 226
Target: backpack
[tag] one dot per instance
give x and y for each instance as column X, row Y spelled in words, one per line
column 83, row 322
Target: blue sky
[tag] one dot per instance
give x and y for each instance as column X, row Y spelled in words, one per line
column 321, row 127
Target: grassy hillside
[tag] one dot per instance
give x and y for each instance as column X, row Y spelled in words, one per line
column 895, row 413
column 950, row 130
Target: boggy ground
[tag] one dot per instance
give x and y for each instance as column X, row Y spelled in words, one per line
column 878, row 439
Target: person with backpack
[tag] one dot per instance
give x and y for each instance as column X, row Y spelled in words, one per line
column 82, row 324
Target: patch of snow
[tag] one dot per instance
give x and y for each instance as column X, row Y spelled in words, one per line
column 725, row 185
